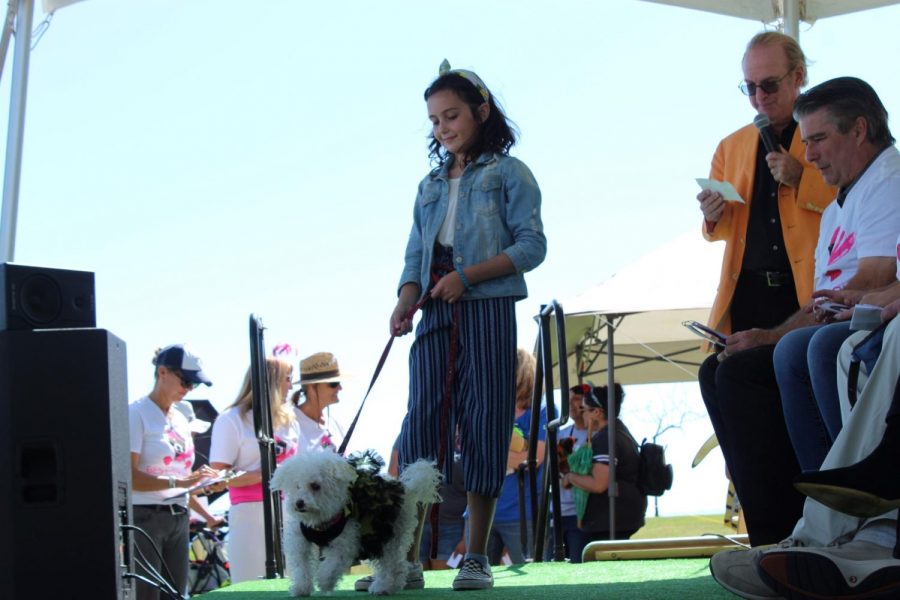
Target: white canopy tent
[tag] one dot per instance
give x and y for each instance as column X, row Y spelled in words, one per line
column 787, row 13
column 628, row 328
column 645, row 303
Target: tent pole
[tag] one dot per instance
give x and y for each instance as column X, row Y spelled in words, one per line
column 16, row 130
column 613, row 489
column 792, row 18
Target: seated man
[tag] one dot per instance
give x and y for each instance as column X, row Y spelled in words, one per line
column 805, row 359
column 831, row 554
column 809, row 391
column 844, row 125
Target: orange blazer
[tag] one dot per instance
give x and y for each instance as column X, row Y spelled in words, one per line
column 800, row 209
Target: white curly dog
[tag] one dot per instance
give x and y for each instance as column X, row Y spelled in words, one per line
column 343, row 508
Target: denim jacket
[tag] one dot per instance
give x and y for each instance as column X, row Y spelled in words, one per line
column 498, row 210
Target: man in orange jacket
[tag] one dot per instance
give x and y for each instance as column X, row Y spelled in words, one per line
column 767, row 269
column 767, row 275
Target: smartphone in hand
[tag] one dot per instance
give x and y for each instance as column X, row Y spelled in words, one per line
column 709, row 334
column 830, row 307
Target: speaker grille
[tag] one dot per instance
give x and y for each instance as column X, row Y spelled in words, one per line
column 40, row 299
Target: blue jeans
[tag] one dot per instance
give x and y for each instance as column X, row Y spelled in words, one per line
column 806, row 369
column 573, row 537
column 509, row 536
column 449, row 534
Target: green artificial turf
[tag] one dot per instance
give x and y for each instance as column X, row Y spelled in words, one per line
column 666, row 579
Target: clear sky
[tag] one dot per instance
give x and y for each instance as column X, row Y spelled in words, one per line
column 213, row 159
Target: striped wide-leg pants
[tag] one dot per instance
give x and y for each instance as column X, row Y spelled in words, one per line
column 483, row 401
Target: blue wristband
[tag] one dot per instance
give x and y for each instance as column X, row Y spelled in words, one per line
column 462, row 276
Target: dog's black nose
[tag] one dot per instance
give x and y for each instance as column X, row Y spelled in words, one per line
column 300, row 505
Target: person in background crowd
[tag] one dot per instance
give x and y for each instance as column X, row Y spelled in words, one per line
column 236, row 447
column 573, row 536
column 162, row 454
column 506, row 531
column 631, row 504
column 320, row 382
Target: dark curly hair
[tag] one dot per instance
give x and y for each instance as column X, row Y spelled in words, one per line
column 496, row 134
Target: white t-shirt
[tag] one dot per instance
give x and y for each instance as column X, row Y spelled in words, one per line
column 234, row 443
column 445, row 234
column 165, row 447
column 313, row 435
column 567, row 496
column 865, row 226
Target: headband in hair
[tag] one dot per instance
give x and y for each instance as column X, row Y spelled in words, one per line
column 468, row 76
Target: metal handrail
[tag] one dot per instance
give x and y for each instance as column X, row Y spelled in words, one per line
column 544, row 378
column 262, row 425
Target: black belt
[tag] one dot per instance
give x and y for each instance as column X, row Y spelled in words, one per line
column 175, row 509
column 772, row 278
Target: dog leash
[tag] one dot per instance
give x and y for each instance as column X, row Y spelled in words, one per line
column 449, row 378
column 387, row 349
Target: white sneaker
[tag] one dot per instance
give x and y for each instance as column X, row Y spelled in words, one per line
column 473, row 576
column 857, row 569
column 735, row 570
column 415, row 579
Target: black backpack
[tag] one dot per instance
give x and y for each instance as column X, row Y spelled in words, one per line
column 654, row 474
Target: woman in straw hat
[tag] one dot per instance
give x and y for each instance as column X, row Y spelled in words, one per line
column 235, row 446
column 320, row 382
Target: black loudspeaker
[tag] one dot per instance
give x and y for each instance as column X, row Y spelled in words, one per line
column 65, row 471
column 41, row 298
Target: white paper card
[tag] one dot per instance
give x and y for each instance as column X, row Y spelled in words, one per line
column 723, row 187
column 866, row 317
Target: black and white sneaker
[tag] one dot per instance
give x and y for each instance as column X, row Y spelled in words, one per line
column 473, row 576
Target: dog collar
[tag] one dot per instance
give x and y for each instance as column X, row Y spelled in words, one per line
column 324, row 534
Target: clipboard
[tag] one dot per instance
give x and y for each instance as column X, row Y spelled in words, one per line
column 208, row 482
column 709, row 334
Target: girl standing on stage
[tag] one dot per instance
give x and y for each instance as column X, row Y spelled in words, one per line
column 476, row 231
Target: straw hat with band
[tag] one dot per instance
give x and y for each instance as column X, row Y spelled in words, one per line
column 321, row 367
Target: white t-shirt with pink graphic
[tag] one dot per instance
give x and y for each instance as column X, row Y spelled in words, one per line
column 315, row 436
column 234, row 443
column 165, row 446
column 866, row 225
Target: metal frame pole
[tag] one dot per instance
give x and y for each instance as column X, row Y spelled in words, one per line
column 613, row 489
column 792, row 18
column 16, row 134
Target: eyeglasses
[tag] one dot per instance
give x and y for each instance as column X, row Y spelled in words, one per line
column 334, row 384
column 188, row 385
column 769, row 86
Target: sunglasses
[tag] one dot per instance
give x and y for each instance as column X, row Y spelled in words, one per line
column 769, row 86
column 188, row 385
column 334, row 384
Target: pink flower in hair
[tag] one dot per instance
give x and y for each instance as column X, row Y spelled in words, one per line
column 283, row 350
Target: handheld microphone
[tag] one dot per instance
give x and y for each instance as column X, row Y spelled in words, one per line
column 766, row 133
